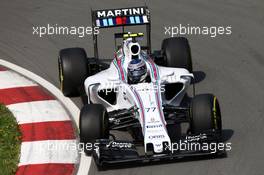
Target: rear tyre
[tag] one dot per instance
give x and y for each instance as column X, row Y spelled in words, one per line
column 93, row 125
column 205, row 114
column 73, row 69
column 176, row 53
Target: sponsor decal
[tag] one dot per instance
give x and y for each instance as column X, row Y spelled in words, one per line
column 120, row 12
column 195, row 138
column 153, row 120
column 157, row 145
column 154, row 126
column 156, row 137
column 114, row 144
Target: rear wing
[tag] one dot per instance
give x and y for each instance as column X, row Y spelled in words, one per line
column 121, row 17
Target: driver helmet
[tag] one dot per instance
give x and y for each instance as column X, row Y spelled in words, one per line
column 137, row 71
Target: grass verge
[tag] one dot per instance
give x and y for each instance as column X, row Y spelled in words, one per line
column 10, row 141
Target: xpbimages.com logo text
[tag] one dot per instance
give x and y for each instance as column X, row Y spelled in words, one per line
column 173, row 147
column 211, row 31
column 80, row 31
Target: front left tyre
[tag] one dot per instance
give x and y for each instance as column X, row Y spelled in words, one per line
column 93, row 125
column 73, row 70
column 205, row 114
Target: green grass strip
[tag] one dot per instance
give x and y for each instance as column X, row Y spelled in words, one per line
column 10, row 141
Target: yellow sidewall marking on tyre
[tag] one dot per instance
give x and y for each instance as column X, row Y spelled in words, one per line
column 61, row 78
column 214, row 113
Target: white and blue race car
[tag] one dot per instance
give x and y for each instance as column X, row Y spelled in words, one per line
column 139, row 92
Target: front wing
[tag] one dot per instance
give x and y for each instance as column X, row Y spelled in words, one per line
column 116, row 152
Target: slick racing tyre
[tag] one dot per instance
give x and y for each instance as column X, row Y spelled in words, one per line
column 205, row 114
column 73, row 69
column 93, row 125
column 176, row 53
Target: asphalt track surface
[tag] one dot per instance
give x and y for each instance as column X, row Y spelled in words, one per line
column 231, row 67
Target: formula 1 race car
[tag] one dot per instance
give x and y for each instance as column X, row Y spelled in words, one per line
column 141, row 93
